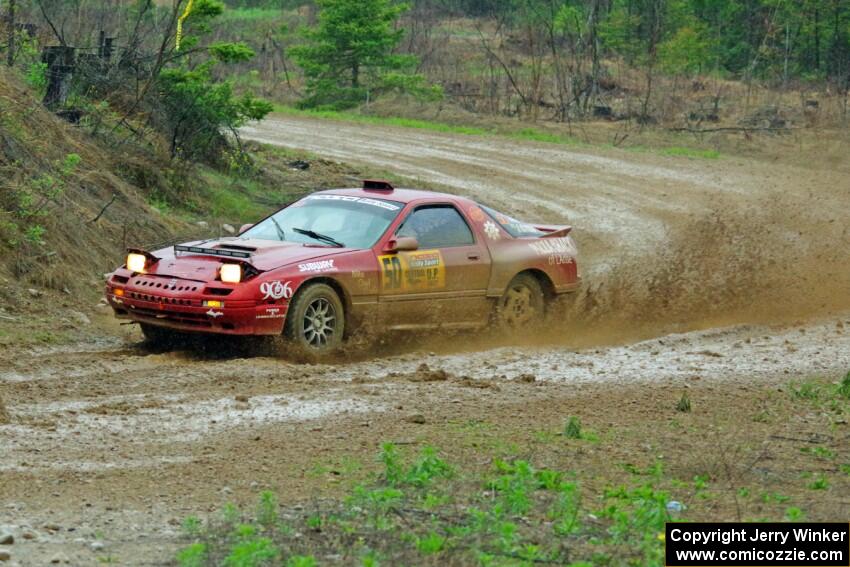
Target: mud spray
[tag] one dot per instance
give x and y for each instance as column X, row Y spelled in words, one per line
column 763, row 263
column 739, row 261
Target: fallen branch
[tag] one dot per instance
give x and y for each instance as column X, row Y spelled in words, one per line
column 103, row 210
column 732, row 129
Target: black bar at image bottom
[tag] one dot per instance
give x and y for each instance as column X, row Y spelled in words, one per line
column 740, row 544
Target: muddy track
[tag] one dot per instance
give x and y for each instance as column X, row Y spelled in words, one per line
column 109, row 445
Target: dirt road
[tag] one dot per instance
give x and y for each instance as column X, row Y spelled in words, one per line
column 108, row 446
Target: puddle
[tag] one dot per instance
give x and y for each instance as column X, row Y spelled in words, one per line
column 133, row 424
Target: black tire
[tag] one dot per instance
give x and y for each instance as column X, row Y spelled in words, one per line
column 160, row 337
column 522, row 307
column 315, row 322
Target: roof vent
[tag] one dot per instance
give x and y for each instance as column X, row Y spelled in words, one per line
column 377, row 185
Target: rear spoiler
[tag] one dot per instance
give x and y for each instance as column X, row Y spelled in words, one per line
column 554, row 231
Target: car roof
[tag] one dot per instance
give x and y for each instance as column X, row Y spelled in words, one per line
column 398, row 195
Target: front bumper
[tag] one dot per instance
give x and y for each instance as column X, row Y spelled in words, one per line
column 184, row 309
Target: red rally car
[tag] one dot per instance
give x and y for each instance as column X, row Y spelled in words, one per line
column 337, row 261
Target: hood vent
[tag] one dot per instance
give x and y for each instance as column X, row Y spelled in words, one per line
column 236, row 247
column 212, row 251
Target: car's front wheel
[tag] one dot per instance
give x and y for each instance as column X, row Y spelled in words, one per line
column 522, row 306
column 315, row 321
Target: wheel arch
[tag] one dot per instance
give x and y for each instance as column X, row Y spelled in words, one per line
column 338, row 288
column 544, row 280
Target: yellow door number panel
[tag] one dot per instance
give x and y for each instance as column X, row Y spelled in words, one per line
column 413, row 271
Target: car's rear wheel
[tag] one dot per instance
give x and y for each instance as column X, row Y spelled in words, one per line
column 522, row 307
column 315, row 321
column 160, row 337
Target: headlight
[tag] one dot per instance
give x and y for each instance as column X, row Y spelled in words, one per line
column 231, row 273
column 136, row 263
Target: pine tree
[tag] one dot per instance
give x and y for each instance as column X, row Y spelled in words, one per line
column 350, row 55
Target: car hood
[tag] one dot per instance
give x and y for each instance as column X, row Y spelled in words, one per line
column 265, row 255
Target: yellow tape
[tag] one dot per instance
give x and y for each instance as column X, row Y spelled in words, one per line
column 185, row 15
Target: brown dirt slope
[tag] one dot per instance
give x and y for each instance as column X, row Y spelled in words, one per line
column 33, row 145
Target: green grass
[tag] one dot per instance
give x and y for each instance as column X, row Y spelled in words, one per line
column 677, row 151
column 250, row 15
column 528, row 134
column 421, row 509
column 524, row 134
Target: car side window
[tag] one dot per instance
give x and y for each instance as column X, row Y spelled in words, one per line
column 437, row 226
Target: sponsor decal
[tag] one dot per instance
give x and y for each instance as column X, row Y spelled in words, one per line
column 271, row 313
column 476, row 214
column 320, row 266
column 492, row 230
column 560, row 259
column 548, row 246
column 413, row 271
column 522, row 228
column 363, row 283
column 351, row 199
column 214, row 314
column 276, row 290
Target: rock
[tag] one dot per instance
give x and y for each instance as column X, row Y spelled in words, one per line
column 6, row 538
column 674, row 507
column 34, row 292
column 527, row 378
column 202, row 224
column 242, row 398
column 58, row 558
column 96, row 545
column 5, row 556
column 79, row 318
column 415, row 418
column 28, row 534
column 228, row 228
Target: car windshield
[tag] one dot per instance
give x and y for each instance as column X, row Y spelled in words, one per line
column 515, row 228
column 356, row 222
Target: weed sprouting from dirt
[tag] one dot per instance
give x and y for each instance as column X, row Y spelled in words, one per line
column 684, row 403
column 573, row 428
column 844, row 387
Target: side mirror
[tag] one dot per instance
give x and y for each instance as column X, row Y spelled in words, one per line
column 402, row 244
column 244, row 227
